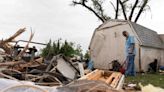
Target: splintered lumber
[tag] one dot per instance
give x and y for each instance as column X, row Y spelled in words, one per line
column 95, row 75
column 110, row 78
column 116, row 80
column 10, row 71
column 11, row 63
column 102, row 79
column 26, row 47
column 121, row 83
column 49, row 67
column 39, row 60
column 6, row 47
column 20, row 31
column 21, row 66
column 4, row 44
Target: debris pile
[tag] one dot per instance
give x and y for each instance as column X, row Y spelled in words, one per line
column 58, row 73
column 20, row 63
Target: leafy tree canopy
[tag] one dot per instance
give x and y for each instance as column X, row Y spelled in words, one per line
column 58, row 47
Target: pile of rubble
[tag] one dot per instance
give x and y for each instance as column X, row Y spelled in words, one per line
column 16, row 63
column 45, row 75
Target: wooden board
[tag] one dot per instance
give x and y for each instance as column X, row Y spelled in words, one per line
column 116, row 80
column 111, row 78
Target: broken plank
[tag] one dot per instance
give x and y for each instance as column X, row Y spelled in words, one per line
column 95, row 75
column 116, row 80
column 11, row 63
column 121, row 82
column 111, row 78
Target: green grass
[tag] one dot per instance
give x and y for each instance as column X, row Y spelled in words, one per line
column 144, row 79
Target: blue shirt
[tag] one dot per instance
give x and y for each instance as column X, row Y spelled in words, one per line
column 128, row 46
column 90, row 65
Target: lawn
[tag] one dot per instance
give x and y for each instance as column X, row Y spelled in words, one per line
column 154, row 79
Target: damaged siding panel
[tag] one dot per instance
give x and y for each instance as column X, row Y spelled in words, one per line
column 96, row 46
column 148, row 55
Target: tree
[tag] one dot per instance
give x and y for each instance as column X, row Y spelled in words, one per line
column 129, row 8
column 66, row 48
column 47, row 50
column 86, row 55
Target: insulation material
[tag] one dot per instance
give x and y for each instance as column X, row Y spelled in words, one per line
column 151, row 88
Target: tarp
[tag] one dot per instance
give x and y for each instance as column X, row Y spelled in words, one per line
column 7, row 85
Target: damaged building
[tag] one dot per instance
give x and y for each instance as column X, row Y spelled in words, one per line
column 108, row 44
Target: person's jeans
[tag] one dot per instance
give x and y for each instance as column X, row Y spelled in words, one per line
column 130, row 71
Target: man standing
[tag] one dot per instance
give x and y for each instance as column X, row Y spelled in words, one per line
column 130, row 54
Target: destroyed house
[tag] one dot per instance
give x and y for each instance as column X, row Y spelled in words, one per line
column 108, row 44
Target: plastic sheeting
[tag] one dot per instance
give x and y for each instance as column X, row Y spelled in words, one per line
column 7, row 85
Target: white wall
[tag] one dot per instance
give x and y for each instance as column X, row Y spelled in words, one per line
column 109, row 44
column 148, row 55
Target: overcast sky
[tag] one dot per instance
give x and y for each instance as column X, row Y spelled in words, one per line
column 57, row 19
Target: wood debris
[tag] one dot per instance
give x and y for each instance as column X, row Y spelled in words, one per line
column 57, row 71
column 109, row 77
column 4, row 44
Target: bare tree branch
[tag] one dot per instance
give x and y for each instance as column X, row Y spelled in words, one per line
column 99, row 8
column 89, row 8
column 133, row 8
column 125, row 1
column 141, row 9
column 125, row 6
column 123, row 9
column 113, row 6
